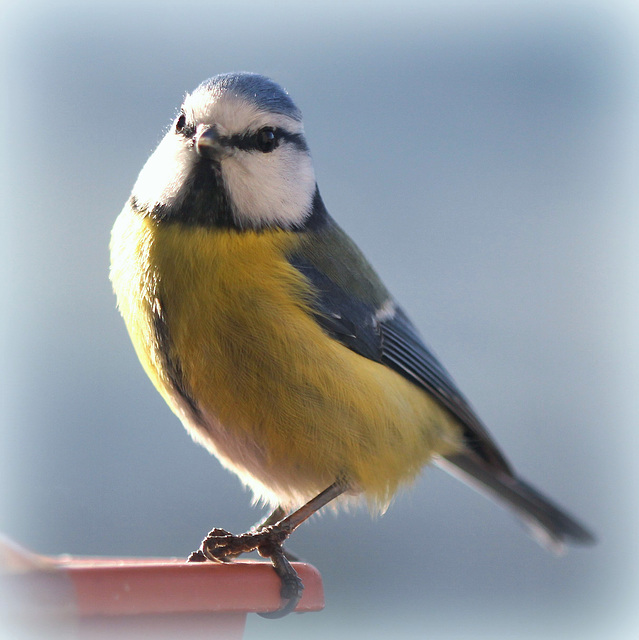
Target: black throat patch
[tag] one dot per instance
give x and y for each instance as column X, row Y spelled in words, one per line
column 204, row 203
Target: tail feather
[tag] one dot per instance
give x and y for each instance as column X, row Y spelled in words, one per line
column 550, row 525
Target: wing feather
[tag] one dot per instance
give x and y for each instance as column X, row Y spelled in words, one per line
column 352, row 305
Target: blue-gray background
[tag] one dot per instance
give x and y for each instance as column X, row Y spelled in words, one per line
column 484, row 156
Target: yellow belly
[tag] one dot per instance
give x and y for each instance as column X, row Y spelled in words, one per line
column 282, row 404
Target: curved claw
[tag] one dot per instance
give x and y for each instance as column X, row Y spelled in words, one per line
column 292, row 587
column 289, row 607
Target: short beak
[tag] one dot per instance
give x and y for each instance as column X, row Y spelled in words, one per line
column 208, row 143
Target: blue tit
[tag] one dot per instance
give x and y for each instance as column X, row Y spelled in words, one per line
column 272, row 338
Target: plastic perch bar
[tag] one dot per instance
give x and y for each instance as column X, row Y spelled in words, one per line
column 161, row 598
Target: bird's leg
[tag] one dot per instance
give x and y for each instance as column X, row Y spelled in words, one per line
column 275, row 516
column 268, row 539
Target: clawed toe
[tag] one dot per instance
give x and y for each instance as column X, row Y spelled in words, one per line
column 292, row 586
column 221, row 546
column 196, row 556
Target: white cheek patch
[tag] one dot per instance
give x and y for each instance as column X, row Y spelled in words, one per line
column 165, row 174
column 270, row 189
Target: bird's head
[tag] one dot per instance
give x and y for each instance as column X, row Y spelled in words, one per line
column 234, row 155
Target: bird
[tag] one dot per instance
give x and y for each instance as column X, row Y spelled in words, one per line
column 275, row 342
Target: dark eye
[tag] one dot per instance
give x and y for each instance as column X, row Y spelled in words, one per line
column 266, row 140
column 180, row 123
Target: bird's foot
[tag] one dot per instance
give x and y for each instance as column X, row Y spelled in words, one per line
column 267, row 539
column 221, row 546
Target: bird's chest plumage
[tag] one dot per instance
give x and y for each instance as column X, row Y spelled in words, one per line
column 224, row 326
column 217, row 312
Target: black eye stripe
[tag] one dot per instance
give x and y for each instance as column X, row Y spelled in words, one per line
column 250, row 141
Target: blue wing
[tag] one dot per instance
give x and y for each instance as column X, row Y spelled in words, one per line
column 384, row 333
column 352, row 305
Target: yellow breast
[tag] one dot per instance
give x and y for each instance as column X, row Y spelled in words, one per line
column 281, row 403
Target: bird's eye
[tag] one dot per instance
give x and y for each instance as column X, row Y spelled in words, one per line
column 180, row 123
column 266, row 140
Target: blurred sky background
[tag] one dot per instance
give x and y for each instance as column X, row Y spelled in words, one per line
column 483, row 154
